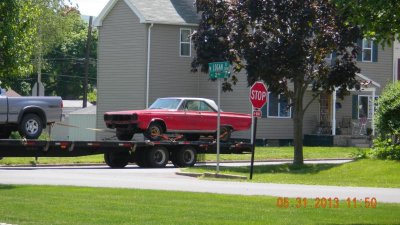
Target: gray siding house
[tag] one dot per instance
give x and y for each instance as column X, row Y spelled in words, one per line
column 144, row 53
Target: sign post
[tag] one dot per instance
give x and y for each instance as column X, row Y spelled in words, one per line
column 258, row 97
column 218, row 70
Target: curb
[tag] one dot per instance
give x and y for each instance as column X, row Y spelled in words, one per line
column 189, row 174
column 212, row 175
column 226, row 176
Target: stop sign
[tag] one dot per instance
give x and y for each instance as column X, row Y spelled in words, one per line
column 258, row 95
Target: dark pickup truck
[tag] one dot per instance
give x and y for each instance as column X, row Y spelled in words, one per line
column 28, row 115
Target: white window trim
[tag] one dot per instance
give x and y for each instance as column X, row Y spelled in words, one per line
column 183, row 42
column 369, row 99
column 279, row 117
column 372, row 50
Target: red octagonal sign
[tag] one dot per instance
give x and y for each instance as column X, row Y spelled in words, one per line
column 258, row 95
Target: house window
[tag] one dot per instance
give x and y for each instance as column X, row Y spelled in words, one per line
column 367, row 48
column 365, row 106
column 185, row 44
column 278, row 106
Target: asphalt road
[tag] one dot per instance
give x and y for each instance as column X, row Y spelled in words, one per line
column 166, row 179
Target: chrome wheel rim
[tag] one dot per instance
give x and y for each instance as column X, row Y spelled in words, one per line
column 31, row 126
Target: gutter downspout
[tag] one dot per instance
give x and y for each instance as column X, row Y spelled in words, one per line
column 148, row 66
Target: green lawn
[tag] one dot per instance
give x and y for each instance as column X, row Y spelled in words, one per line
column 363, row 173
column 45, row 205
column 262, row 153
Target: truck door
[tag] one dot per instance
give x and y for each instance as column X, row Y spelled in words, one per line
column 3, row 109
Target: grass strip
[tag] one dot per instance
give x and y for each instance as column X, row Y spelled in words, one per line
column 49, row 205
column 362, row 173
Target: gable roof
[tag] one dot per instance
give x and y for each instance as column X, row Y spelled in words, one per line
column 173, row 12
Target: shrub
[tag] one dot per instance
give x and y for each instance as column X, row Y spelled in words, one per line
column 384, row 148
column 387, row 113
column 387, row 118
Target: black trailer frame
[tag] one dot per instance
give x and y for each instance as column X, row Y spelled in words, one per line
column 117, row 154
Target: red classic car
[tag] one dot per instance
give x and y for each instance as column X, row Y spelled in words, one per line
column 191, row 117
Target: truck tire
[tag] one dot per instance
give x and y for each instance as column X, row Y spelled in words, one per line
column 116, row 159
column 31, row 126
column 184, row 157
column 124, row 134
column 154, row 132
column 157, row 157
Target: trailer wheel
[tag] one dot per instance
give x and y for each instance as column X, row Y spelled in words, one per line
column 124, row 134
column 184, row 157
column 31, row 126
column 157, row 157
column 140, row 158
column 116, row 159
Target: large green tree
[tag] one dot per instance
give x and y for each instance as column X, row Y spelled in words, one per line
column 64, row 71
column 16, row 46
column 283, row 43
column 379, row 19
column 29, row 29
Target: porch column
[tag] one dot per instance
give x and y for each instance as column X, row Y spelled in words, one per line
column 334, row 112
column 373, row 112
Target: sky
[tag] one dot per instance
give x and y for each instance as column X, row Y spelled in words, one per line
column 90, row 7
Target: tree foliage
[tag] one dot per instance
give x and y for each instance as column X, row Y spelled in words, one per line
column 29, row 29
column 387, row 115
column 379, row 19
column 283, row 43
column 64, row 64
column 56, row 36
column 16, row 46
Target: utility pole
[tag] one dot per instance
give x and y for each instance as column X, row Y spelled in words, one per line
column 88, row 42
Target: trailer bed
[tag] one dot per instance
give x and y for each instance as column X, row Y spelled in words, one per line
column 118, row 154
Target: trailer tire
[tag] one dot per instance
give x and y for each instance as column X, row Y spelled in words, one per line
column 157, row 157
column 140, row 158
column 116, row 159
column 184, row 157
column 31, row 126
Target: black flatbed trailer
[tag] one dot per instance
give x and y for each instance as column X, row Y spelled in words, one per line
column 117, row 154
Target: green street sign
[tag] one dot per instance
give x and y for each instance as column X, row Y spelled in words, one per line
column 218, row 70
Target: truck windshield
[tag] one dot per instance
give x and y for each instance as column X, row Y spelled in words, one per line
column 165, row 104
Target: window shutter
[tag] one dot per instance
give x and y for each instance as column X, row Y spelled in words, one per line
column 354, row 113
column 359, row 55
column 264, row 111
column 375, row 52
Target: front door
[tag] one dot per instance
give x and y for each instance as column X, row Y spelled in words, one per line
column 325, row 110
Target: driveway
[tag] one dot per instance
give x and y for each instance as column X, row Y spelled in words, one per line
column 166, row 179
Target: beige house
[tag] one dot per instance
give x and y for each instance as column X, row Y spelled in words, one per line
column 144, row 53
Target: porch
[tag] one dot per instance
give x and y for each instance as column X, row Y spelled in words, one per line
column 347, row 122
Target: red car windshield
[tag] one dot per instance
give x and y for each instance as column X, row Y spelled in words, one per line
column 165, row 104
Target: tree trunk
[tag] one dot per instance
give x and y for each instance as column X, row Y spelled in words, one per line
column 298, row 116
